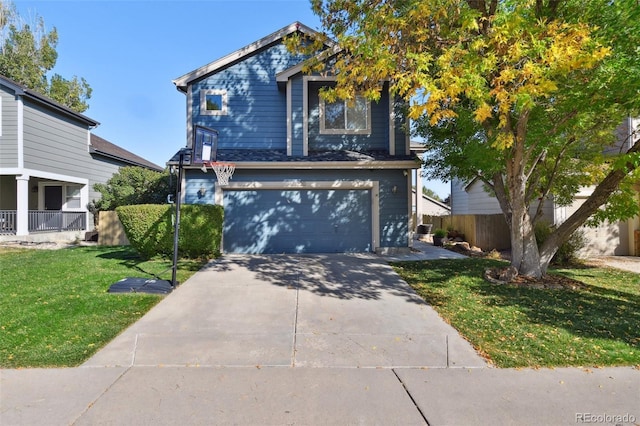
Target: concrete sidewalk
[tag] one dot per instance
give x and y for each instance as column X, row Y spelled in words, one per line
column 322, row 339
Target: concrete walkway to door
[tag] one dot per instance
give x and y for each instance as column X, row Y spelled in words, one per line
column 318, row 339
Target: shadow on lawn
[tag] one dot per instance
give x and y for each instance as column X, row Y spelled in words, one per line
column 129, row 258
column 588, row 312
column 591, row 311
column 341, row 276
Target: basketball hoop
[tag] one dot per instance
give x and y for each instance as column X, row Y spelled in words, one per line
column 224, row 171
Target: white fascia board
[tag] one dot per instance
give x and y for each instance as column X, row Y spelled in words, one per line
column 183, row 81
column 32, row 173
column 325, row 165
column 300, row 184
column 468, row 186
column 285, row 75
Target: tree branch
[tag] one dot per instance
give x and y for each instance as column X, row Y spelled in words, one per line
column 598, row 198
column 501, row 194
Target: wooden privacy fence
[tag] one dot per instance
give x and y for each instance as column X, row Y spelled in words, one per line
column 487, row 231
column 111, row 231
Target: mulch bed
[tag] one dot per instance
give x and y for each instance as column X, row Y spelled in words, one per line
column 549, row 281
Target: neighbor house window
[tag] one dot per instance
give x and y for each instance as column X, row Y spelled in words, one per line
column 73, row 196
column 345, row 117
column 213, row 102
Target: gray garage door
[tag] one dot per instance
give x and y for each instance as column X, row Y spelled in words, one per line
column 297, row 221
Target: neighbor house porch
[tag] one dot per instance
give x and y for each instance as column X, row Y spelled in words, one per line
column 37, row 205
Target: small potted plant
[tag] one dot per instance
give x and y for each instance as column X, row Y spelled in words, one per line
column 439, row 236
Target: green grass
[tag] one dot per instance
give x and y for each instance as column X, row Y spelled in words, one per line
column 54, row 307
column 597, row 324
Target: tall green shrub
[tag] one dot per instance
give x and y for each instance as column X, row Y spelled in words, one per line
column 150, row 227
column 569, row 250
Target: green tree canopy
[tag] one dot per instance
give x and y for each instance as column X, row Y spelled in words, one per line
column 430, row 193
column 525, row 95
column 28, row 53
column 134, row 185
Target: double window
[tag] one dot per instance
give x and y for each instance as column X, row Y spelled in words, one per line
column 345, row 117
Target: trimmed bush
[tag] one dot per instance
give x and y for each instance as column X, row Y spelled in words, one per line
column 149, row 228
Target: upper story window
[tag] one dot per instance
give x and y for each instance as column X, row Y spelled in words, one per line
column 345, row 117
column 213, row 102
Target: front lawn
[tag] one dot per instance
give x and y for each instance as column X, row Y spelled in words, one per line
column 595, row 324
column 54, row 307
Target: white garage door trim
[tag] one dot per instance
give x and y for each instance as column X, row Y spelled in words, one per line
column 373, row 186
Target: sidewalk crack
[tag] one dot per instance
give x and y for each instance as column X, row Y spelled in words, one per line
column 415, row 404
column 92, row 403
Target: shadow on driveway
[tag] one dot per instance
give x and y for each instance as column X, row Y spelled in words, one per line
column 340, row 276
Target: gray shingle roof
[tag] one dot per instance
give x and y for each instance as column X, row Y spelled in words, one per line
column 104, row 147
column 274, row 155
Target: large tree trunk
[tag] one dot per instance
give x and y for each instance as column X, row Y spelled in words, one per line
column 524, row 248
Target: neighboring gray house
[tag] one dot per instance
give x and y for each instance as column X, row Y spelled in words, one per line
column 311, row 176
column 607, row 239
column 49, row 162
column 430, row 206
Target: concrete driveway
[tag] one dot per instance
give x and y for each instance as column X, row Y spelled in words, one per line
column 306, row 311
column 272, row 340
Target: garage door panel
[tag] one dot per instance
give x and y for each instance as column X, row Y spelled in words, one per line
column 297, row 221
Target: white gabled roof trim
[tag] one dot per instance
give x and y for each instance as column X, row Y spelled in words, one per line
column 285, row 75
column 182, row 82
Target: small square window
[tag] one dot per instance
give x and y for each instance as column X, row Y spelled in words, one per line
column 213, row 102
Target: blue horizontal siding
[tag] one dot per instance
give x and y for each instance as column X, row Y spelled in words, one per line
column 256, row 116
column 377, row 140
column 297, row 116
column 400, row 132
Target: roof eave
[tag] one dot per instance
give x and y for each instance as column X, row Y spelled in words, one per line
column 322, row 165
column 21, row 90
column 150, row 166
column 285, row 75
column 183, row 81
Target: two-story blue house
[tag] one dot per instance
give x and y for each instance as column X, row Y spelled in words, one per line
column 311, row 176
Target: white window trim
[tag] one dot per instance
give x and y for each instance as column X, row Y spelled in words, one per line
column 84, row 194
column 325, row 131
column 203, row 102
column 67, row 197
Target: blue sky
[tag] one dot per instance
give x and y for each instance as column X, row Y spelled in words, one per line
column 130, row 51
